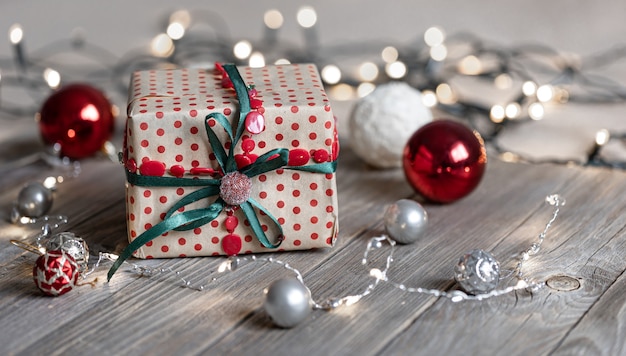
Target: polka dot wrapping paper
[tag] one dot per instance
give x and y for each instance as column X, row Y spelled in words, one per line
column 165, row 132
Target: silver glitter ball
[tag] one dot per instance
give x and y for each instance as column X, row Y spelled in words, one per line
column 477, row 272
column 406, row 221
column 34, row 200
column 73, row 246
column 288, row 302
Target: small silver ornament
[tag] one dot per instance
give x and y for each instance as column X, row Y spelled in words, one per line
column 288, row 302
column 406, row 221
column 34, row 200
column 477, row 272
column 73, row 246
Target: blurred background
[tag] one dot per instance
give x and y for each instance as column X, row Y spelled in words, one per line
column 345, row 34
column 571, row 25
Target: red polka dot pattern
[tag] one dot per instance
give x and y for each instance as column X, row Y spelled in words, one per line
column 171, row 130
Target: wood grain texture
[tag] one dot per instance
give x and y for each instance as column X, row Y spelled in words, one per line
column 154, row 315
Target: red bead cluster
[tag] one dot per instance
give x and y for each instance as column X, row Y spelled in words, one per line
column 231, row 243
column 247, row 158
column 255, row 121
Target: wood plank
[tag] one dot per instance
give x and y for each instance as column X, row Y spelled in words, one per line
column 161, row 306
column 587, row 244
column 154, row 315
column 368, row 326
column 602, row 329
column 589, row 339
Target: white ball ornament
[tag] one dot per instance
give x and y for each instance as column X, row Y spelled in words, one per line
column 382, row 123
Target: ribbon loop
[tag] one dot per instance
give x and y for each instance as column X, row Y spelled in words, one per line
column 257, row 229
column 220, row 154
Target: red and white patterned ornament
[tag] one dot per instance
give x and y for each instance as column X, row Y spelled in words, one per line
column 55, row 273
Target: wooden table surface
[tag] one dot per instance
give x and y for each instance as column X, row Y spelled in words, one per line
column 155, row 315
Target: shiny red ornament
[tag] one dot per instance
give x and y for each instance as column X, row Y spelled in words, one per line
column 79, row 118
column 55, row 273
column 444, row 161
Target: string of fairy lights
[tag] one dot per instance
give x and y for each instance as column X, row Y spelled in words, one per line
column 532, row 77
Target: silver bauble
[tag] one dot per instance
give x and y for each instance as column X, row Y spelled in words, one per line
column 34, row 200
column 73, row 246
column 405, row 221
column 288, row 302
column 477, row 272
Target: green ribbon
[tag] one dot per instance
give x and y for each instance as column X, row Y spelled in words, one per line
column 189, row 220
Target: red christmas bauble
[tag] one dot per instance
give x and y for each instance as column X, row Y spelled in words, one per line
column 55, row 273
column 79, row 118
column 444, row 161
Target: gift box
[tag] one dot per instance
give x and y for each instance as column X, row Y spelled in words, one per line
column 228, row 161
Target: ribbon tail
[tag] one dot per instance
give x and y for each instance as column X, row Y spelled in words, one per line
column 250, row 214
column 164, row 226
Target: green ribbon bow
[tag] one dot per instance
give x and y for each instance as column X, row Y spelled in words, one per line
column 189, row 220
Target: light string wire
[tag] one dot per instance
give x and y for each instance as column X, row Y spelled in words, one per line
column 233, row 264
column 431, row 63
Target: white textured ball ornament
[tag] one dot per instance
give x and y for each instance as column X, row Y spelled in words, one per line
column 382, row 123
column 288, row 302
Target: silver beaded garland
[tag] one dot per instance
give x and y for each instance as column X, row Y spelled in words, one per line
column 288, row 302
column 406, row 221
column 34, row 200
column 477, row 272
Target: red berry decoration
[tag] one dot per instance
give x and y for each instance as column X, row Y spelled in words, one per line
column 55, row 273
column 79, row 118
column 231, row 244
column 444, row 161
